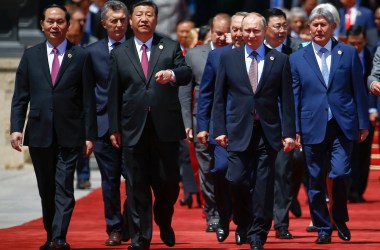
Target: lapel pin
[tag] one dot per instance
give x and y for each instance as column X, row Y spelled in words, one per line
column 339, row 52
column 358, row 13
column 161, row 46
column 272, row 58
column 69, row 55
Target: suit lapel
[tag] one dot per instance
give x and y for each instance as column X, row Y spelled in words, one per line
column 336, row 55
column 43, row 59
column 241, row 68
column 309, row 57
column 268, row 63
column 131, row 52
column 69, row 54
column 157, row 47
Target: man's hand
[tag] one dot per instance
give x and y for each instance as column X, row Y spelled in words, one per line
column 363, row 133
column 298, row 141
column 189, row 134
column 203, row 137
column 163, row 76
column 374, row 118
column 115, row 139
column 88, row 148
column 375, row 88
column 16, row 141
column 289, row 144
column 222, row 140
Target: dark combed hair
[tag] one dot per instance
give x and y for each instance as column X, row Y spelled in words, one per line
column 146, row 3
column 273, row 12
column 356, row 30
column 67, row 14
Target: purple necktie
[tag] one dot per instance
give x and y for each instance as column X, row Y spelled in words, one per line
column 144, row 60
column 253, row 72
column 54, row 66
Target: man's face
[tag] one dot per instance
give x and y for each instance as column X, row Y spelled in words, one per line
column 377, row 18
column 297, row 23
column 74, row 33
column 183, row 30
column 253, row 31
column 357, row 41
column 218, row 33
column 143, row 21
column 321, row 30
column 55, row 26
column 116, row 24
column 348, row 3
column 79, row 17
column 236, row 31
column 276, row 31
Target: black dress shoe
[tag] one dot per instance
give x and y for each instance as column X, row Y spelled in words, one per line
column 60, row 244
column 257, row 245
column 136, row 247
column 167, row 236
column 240, row 236
column 47, row 246
column 283, row 233
column 323, row 239
column 114, row 239
column 222, row 233
column 211, row 227
column 311, row 229
column 295, row 208
column 343, row 231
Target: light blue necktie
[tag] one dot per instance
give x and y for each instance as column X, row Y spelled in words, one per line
column 324, row 68
column 325, row 74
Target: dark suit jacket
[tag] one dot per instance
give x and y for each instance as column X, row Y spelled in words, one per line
column 97, row 69
column 65, row 111
column 235, row 118
column 345, row 94
column 132, row 96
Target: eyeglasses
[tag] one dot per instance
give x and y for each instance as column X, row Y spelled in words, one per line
column 280, row 26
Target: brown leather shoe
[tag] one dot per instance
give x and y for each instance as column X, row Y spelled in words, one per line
column 114, row 239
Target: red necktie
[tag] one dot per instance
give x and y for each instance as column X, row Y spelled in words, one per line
column 144, row 60
column 54, row 66
column 184, row 52
column 348, row 20
column 253, row 72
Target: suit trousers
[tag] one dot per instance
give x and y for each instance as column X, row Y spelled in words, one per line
column 335, row 152
column 110, row 165
column 54, row 167
column 251, row 176
column 151, row 164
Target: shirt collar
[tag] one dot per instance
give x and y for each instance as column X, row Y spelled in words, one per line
column 111, row 41
column 61, row 48
column 139, row 43
column 317, row 47
column 260, row 51
column 278, row 48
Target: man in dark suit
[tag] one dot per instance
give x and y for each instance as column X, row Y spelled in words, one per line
column 250, row 83
column 188, row 94
column 204, row 123
column 331, row 114
column 146, row 121
column 361, row 153
column 115, row 21
column 283, row 175
column 61, row 120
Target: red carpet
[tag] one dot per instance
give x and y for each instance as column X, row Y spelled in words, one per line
column 87, row 229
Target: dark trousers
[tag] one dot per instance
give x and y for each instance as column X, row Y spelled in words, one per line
column 187, row 173
column 54, row 168
column 251, row 176
column 110, row 165
column 151, row 164
column 333, row 152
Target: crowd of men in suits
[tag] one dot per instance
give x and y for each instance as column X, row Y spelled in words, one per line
column 253, row 98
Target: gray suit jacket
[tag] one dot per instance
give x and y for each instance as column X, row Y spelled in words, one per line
column 195, row 58
column 375, row 73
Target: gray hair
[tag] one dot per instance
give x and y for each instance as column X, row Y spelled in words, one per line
column 333, row 10
column 251, row 14
column 112, row 5
column 297, row 12
column 322, row 11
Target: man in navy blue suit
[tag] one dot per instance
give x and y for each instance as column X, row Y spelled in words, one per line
column 251, row 81
column 114, row 17
column 205, row 102
column 331, row 114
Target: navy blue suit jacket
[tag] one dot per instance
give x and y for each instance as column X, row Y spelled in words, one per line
column 235, row 117
column 345, row 94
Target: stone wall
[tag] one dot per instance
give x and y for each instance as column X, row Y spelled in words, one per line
column 9, row 158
